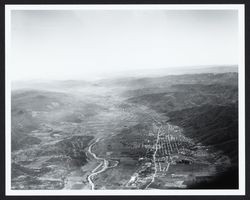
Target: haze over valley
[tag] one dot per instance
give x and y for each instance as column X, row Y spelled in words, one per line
column 147, row 132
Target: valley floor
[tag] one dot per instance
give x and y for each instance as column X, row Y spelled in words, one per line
column 99, row 140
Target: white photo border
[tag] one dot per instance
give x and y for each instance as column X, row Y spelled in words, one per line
column 241, row 85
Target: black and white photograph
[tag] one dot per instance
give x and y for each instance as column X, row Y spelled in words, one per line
column 125, row 99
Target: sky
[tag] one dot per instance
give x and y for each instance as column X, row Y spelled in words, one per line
column 68, row 44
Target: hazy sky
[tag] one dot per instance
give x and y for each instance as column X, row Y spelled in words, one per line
column 85, row 43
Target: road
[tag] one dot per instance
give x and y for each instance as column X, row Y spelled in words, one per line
column 154, row 157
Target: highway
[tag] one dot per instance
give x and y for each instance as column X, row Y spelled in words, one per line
column 154, row 157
